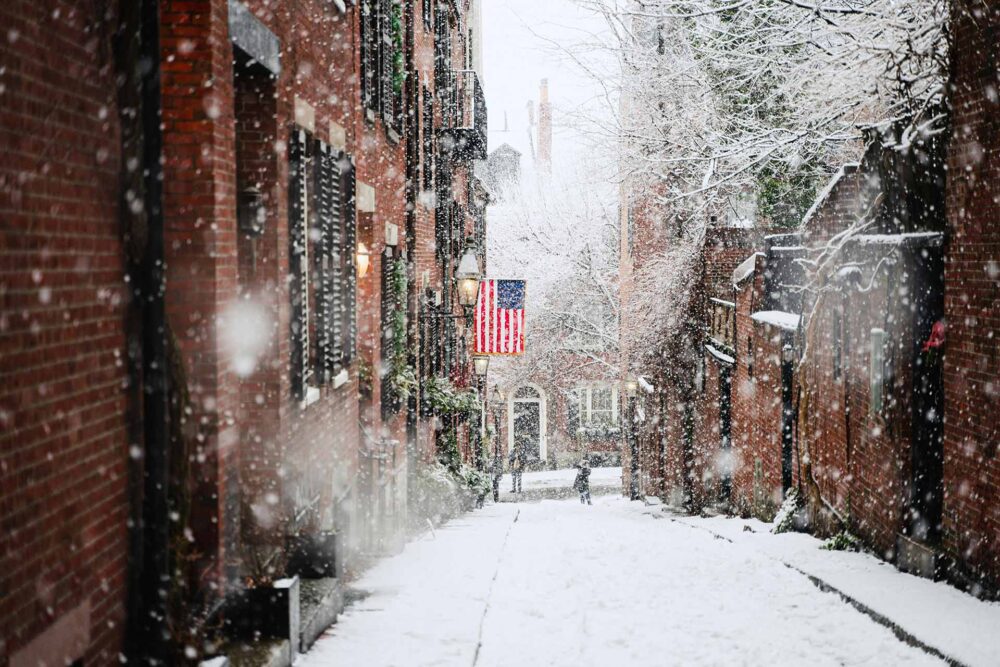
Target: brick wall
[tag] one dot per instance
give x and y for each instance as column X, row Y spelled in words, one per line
column 757, row 403
column 63, row 440
column 972, row 291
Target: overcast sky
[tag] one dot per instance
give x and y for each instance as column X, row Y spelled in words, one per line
column 519, row 50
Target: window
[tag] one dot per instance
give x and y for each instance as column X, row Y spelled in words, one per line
column 750, row 356
column 597, row 406
column 601, row 406
column 321, row 261
column 876, row 372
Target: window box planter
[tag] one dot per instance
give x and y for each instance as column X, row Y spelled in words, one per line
column 266, row 612
column 314, row 555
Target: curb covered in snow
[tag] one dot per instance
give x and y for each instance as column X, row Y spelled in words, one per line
column 825, row 586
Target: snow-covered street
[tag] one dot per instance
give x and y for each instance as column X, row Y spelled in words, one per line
column 557, row 583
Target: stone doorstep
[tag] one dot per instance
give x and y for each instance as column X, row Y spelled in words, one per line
column 916, row 558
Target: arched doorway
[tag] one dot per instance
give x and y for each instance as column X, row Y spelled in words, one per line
column 526, row 417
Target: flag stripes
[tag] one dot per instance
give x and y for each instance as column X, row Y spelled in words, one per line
column 499, row 317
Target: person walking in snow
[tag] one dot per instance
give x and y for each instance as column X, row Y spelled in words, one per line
column 582, row 482
column 516, row 468
column 497, row 474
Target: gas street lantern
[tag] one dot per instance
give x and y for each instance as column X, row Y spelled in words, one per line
column 467, row 279
column 631, row 386
column 481, row 363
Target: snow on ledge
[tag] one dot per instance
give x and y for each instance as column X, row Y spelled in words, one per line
column 898, row 239
column 645, row 385
column 777, row 318
column 719, row 354
column 746, row 267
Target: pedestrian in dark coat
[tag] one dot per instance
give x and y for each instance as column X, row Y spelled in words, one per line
column 582, row 482
column 497, row 475
column 516, row 468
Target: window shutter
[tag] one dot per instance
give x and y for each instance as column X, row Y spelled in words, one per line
column 385, row 62
column 328, row 323
column 348, row 310
column 428, row 131
column 299, row 263
column 389, row 400
column 369, row 53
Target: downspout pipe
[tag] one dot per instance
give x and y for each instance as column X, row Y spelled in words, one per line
column 148, row 638
column 156, row 422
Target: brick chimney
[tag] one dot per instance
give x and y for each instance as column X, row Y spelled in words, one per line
column 544, row 128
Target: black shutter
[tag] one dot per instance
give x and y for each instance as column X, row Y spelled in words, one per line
column 328, row 323
column 369, row 54
column 348, row 284
column 389, row 400
column 428, row 131
column 385, row 62
column 298, row 263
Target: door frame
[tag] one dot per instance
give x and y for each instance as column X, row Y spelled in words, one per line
column 542, row 404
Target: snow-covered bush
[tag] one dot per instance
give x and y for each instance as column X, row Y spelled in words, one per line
column 842, row 541
column 437, row 495
column 446, row 400
column 478, row 483
column 784, row 521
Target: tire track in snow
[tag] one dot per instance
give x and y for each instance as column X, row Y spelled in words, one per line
column 489, row 592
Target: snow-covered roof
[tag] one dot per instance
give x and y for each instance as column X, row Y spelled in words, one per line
column 821, row 198
column 897, row 239
column 777, row 318
column 743, row 271
column 719, row 354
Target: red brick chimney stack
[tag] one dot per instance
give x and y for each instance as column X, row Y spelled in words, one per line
column 544, row 128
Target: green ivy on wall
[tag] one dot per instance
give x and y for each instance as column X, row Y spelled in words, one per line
column 402, row 379
column 396, row 25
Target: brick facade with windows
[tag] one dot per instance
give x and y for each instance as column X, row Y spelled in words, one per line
column 272, row 173
column 64, row 429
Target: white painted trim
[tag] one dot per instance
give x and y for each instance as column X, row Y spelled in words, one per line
column 305, row 114
column 341, row 378
column 542, row 401
column 312, row 395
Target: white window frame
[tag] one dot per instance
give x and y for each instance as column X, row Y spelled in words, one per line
column 585, row 403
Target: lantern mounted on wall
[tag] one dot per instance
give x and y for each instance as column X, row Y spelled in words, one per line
column 631, row 386
column 467, row 279
column 481, row 363
column 364, row 259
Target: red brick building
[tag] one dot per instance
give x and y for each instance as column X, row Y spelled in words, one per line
column 243, row 402
column 64, row 427
column 971, row 362
column 860, row 351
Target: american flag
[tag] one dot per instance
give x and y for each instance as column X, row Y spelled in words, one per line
column 500, row 317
